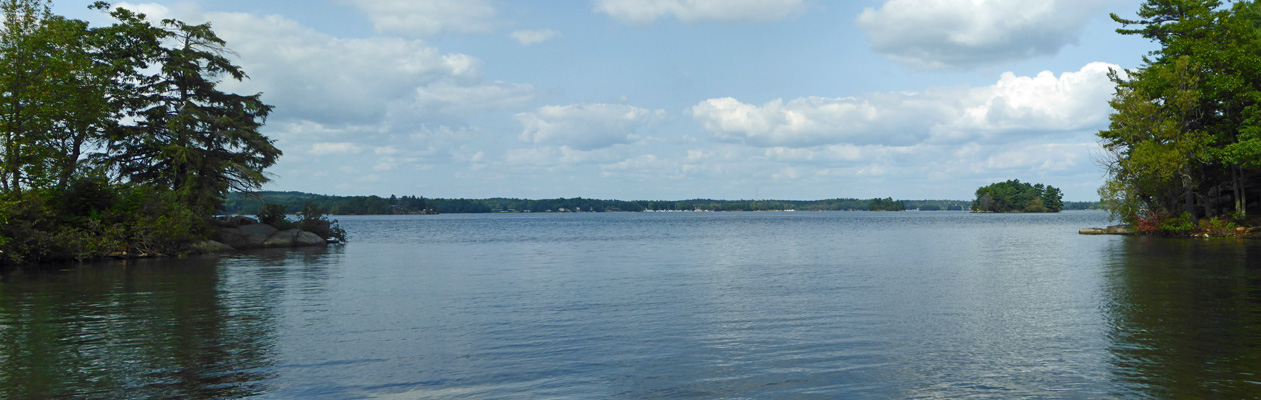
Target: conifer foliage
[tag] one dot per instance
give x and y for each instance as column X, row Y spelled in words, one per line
column 1184, row 139
column 1017, row 196
column 117, row 138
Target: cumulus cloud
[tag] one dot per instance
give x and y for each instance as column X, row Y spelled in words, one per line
column 586, row 126
column 931, row 34
column 692, row 11
column 809, row 121
column 1072, row 101
column 532, row 37
column 1015, row 105
column 429, row 17
column 316, row 76
column 1043, row 157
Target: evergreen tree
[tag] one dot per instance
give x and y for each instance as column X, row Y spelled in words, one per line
column 1185, row 134
column 188, row 135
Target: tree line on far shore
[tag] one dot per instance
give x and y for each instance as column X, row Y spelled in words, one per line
column 238, row 203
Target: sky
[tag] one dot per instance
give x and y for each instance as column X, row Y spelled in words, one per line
column 673, row 99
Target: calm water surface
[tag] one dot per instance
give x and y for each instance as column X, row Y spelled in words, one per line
column 645, row 305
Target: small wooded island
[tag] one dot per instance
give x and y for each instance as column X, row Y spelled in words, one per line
column 1017, row 196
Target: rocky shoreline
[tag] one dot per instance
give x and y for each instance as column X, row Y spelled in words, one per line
column 233, row 233
column 1111, row 230
column 1234, row 232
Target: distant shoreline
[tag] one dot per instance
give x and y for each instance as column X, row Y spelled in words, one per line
column 248, row 204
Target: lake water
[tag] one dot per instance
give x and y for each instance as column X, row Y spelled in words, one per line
column 655, row 305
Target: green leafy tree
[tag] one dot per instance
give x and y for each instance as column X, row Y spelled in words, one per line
column 1185, row 134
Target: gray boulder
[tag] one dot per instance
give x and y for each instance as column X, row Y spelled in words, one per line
column 294, row 238
column 1111, row 230
column 232, row 221
column 210, row 247
column 246, row 237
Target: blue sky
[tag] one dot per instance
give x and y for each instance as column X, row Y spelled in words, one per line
column 674, row 99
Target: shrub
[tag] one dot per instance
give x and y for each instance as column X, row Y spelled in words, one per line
column 1158, row 223
column 31, row 230
column 1180, row 224
column 314, row 220
column 274, row 215
column 1217, row 227
column 155, row 222
column 91, row 219
column 87, row 196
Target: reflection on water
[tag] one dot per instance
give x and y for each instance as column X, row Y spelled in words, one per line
column 633, row 305
column 143, row 328
column 1186, row 317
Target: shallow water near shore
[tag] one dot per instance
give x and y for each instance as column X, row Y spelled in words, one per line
column 655, row 305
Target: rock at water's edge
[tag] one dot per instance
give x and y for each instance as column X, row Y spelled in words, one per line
column 210, row 247
column 232, row 221
column 294, row 238
column 246, row 237
column 258, row 236
column 1111, row 230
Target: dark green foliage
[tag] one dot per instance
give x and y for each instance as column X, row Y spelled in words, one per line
column 311, row 218
column 1184, row 138
column 274, row 215
column 314, row 219
column 186, row 134
column 885, row 204
column 39, row 226
column 116, row 139
column 157, row 223
column 1016, row 196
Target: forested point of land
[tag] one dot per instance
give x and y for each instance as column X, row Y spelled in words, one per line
column 249, row 204
column 1184, row 140
column 116, row 140
column 1017, row 196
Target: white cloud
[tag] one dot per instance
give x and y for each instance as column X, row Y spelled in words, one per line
column 1074, row 100
column 1042, row 157
column 929, row 34
column 531, row 37
column 586, row 126
column 429, row 17
column 321, row 77
column 692, row 11
column 807, row 121
column 446, row 97
column 322, row 149
column 817, row 154
column 1014, row 106
column 554, row 157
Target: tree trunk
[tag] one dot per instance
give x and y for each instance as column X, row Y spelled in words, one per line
column 1189, row 196
column 1241, row 203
